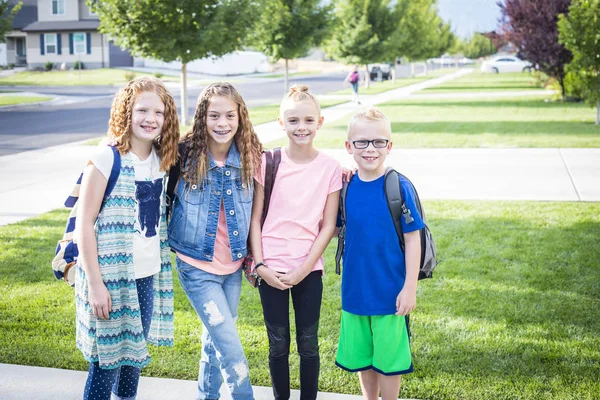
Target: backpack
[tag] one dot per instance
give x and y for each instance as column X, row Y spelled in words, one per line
column 353, row 77
column 65, row 256
column 273, row 159
column 398, row 209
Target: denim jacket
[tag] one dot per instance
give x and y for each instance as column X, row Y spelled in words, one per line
column 196, row 207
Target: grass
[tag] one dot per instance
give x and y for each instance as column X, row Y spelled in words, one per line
column 96, row 77
column 10, row 100
column 513, row 311
column 478, row 81
column 384, row 86
column 486, row 122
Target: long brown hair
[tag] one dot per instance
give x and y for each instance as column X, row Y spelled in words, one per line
column 245, row 138
column 119, row 125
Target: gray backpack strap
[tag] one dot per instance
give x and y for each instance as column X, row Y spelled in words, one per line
column 342, row 234
column 395, row 202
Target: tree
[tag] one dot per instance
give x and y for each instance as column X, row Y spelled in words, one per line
column 579, row 32
column 479, row 46
column 421, row 33
column 288, row 29
column 363, row 29
column 7, row 13
column 531, row 26
column 170, row 30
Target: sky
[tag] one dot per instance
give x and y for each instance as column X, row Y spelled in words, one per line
column 469, row 16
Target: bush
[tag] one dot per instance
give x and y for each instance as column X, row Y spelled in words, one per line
column 129, row 75
column 78, row 65
column 10, row 66
column 574, row 87
column 48, row 66
column 158, row 75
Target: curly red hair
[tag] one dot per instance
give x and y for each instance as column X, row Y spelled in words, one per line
column 119, row 125
column 245, row 138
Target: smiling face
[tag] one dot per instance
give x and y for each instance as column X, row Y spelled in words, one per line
column 300, row 120
column 370, row 160
column 147, row 117
column 222, row 121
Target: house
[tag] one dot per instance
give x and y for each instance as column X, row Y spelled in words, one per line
column 15, row 48
column 63, row 31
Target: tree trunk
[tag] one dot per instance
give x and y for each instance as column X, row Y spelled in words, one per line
column 412, row 69
column 184, row 108
column 367, row 77
column 426, row 68
column 598, row 113
column 286, row 79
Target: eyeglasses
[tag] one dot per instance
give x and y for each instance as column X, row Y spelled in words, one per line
column 377, row 143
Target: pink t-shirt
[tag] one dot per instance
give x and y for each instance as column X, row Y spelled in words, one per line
column 296, row 209
column 221, row 263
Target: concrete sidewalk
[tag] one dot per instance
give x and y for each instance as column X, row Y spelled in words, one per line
column 19, row 382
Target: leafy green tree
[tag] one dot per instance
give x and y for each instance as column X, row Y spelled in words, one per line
column 288, row 29
column 479, row 46
column 363, row 30
column 580, row 34
column 7, row 13
column 170, row 30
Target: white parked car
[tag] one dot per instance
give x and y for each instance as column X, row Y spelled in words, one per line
column 506, row 64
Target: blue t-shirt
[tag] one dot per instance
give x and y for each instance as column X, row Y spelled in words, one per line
column 374, row 267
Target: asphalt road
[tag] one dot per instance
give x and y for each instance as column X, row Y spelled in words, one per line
column 34, row 127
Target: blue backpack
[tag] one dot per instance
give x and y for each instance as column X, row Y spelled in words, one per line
column 65, row 257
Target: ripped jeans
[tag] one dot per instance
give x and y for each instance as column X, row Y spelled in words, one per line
column 306, row 298
column 215, row 299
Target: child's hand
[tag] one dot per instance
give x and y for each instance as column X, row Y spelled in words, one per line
column 272, row 278
column 347, row 173
column 99, row 299
column 294, row 276
column 406, row 301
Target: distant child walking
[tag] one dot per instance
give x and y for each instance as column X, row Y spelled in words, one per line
column 379, row 281
column 288, row 249
column 353, row 78
column 209, row 227
column 123, row 284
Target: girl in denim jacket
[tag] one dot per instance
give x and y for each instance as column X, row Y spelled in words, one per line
column 209, row 229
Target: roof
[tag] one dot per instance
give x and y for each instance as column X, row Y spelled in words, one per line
column 26, row 15
column 54, row 26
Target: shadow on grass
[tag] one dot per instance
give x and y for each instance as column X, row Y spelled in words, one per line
column 499, row 127
column 489, row 103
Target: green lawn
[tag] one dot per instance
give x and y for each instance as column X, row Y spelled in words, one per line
column 487, row 122
column 11, row 100
column 384, row 86
column 100, row 77
column 513, row 311
column 478, row 82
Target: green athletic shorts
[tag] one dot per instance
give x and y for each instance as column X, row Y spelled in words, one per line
column 379, row 342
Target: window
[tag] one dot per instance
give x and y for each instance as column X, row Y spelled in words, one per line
column 58, row 7
column 79, row 42
column 50, row 43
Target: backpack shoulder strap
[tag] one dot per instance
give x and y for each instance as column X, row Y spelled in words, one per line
column 395, row 201
column 114, row 172
column 272, row 161
column 174, row 173
column 342, row 233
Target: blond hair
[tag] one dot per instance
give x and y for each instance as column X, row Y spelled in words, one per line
column 245, row 138
column 298, row 93
column 372, row 114
column 119, row 125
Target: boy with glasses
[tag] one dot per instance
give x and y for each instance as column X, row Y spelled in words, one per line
column 379, row 283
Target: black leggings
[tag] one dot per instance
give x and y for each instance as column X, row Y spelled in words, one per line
column 306, row 298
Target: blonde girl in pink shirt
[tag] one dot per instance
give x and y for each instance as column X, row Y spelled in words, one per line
column 288, row 248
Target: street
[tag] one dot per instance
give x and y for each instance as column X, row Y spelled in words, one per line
column 35, row 127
